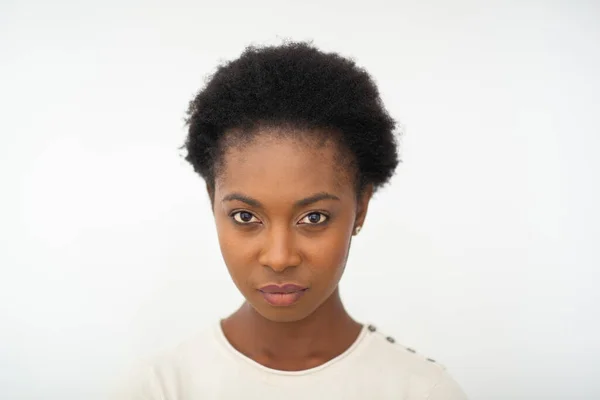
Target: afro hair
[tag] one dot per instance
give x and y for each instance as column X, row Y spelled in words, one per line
column 293, row 85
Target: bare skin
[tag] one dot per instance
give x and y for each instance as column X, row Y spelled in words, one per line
column 268, row 235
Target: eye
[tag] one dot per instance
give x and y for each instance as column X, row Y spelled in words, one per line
column 244, row 217
column 314, row 218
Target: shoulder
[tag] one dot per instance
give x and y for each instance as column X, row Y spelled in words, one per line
column 424, row 376
column 154, row 377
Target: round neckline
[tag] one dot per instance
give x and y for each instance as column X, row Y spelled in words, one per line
column 242, row 357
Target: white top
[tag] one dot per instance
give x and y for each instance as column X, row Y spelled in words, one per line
column 374, row 367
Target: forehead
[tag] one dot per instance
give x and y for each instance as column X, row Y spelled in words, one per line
column 284, row 167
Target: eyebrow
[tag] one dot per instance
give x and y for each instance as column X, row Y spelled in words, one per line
column 298, row 204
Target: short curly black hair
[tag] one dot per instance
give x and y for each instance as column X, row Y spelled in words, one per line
column 293, row 85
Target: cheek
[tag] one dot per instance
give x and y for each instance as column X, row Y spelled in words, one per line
column 235, row 249
column 327, row 256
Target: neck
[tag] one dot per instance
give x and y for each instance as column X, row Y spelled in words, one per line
column 296, row 345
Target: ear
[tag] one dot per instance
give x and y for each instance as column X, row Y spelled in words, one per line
column 362, row 206
column 211, row 196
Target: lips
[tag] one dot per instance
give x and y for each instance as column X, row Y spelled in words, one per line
column 284, row 295
column 287, row 288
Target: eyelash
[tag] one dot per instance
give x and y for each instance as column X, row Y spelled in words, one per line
column 327, row 218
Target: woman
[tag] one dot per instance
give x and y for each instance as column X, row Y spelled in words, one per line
column 292, row 143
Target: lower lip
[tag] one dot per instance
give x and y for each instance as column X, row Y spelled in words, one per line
column 283, row 299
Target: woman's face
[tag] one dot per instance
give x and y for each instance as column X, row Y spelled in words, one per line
column 285, row 212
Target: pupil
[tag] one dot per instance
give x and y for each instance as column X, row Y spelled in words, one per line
column 314, row 218
column 245, row 216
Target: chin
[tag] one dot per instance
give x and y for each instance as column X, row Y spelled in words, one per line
column 282, row 314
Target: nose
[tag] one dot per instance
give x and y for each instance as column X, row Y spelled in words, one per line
column 279, row 250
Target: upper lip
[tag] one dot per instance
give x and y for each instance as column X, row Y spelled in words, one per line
column 287, row 288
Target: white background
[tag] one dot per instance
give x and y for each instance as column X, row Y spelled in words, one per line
column 481, row 253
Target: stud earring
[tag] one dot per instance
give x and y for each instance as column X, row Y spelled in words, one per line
column 357, row 229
